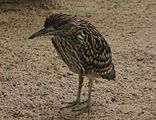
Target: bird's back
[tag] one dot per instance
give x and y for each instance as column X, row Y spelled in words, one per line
column 85, row 51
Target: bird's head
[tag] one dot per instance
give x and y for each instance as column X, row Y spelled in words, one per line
column 56, row 24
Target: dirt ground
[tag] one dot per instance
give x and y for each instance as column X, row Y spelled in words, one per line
column 35, row 83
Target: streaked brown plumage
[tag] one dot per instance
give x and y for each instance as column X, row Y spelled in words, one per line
column 81, row 47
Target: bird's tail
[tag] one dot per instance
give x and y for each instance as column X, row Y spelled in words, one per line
column 110, row 75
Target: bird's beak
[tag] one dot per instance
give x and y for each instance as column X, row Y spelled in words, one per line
column 41, row 32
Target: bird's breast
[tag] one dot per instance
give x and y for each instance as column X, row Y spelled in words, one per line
column 69, row 54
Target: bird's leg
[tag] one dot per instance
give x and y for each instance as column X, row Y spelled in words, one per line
column 90, row 84
column 77, row 101
column 79, row 88
column 88, row 107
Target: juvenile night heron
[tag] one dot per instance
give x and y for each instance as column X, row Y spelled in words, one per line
column 82, row 48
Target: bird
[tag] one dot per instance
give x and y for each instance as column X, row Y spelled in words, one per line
column 83, row 49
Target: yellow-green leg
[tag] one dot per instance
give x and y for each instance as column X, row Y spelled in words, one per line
column 90, row 84
column 87, row 108
column 79, row 87
column 77, row 101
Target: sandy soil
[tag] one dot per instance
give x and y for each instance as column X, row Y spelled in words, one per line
column 35, row 83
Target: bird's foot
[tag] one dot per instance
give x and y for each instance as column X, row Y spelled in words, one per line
column 86, row 109
column 71, row 104
column 74, row 104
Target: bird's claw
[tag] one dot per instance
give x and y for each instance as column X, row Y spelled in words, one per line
column 85, row 109
column 71, row 104
column 74, row 104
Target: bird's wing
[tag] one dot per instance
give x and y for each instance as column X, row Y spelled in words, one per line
column 95, row 52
